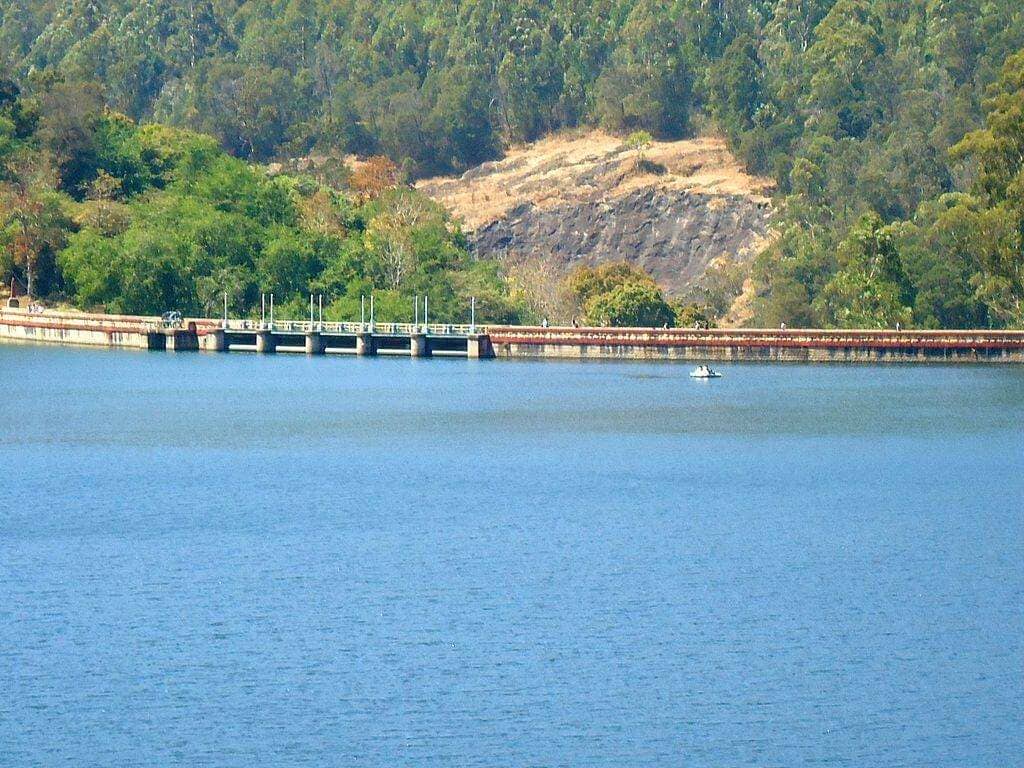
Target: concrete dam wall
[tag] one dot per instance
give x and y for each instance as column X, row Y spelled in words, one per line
column 125, row 331
column 141, row 332
column 415, row 340
column 825, row 346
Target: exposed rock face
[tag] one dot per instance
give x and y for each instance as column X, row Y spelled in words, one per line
column 673, row 234
column 587, row 200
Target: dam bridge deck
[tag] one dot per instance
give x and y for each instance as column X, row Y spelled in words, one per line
column 472, row 341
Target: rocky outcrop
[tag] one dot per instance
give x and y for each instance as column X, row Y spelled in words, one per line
column 675, row 235
column 585, row 199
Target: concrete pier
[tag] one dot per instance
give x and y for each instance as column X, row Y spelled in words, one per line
column 314, row 343
column 265, row 342
column 418, row 345
column 178, row 340
column 365, row 344
column 478, row 345
column 213, row 341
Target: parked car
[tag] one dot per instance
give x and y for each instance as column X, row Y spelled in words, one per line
column 171, row 319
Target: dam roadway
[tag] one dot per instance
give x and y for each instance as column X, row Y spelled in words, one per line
column 495, row 341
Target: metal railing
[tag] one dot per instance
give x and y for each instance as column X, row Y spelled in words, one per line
column 380, row 329
column 750, row 337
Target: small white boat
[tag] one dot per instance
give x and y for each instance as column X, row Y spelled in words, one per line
column 704, row 372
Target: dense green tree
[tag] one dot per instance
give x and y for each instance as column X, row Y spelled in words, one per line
column 871, row 288
column 648, row 83
column 632, row 304
column 169, row 221
column 998, row 226
column 795, row 268
column 736, row 89
column 287, row 263
column 945, row 296
column 692, row 315
column 459, row 118
column 843, row 59
column 528, row 80
column 619, row 294
column 586, row 282
column 71, row 114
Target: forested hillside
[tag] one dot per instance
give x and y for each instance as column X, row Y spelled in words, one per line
column 893, row 128
column 142, row 219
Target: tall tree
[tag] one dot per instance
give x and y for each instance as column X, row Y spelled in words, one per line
column 998, row 155
column 30, row 216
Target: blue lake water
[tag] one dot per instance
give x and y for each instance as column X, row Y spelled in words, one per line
column 238, row 560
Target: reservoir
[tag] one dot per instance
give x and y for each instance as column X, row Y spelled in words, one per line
column 237, row 560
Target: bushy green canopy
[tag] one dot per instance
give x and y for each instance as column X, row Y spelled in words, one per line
column 147, row 219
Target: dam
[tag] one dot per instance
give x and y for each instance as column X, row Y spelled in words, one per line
column 473, row 341
column 142, row 332
column 363, row 339
column 760, row 345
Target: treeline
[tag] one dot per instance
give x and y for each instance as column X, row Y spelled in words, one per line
column 863, row 111
column 439, row 84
